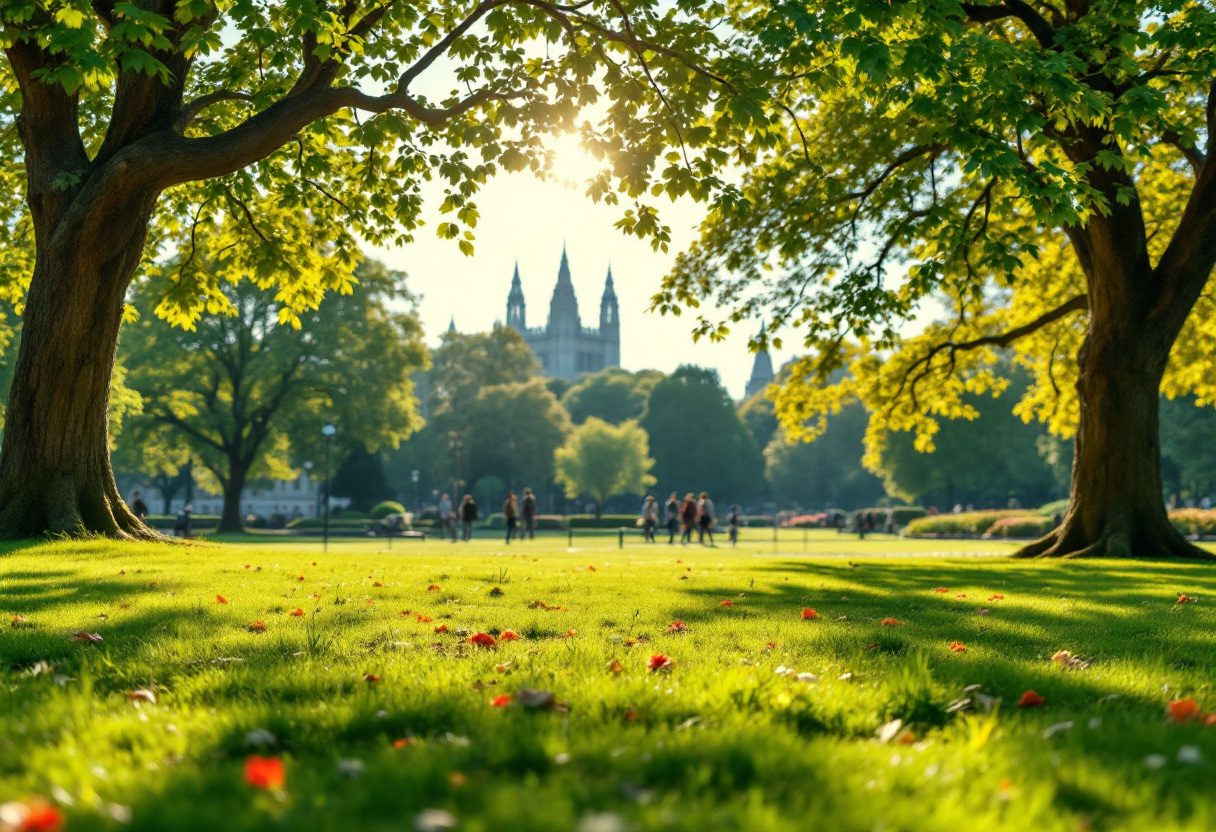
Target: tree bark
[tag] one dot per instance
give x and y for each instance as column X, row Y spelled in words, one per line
column 1116, row 506
column 234, row 487
column 55, row 474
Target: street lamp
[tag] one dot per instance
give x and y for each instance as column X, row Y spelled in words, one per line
column 414, row 479
column 328, row 432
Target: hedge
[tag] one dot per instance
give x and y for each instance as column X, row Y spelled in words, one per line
column 544, row 522
column 1194, row 520
column 1052, row 509
column 386, row 508
column 758, row 521
column 334, row 523
column 166, row 521
column 1031, row 526
column 608, row 521
column 903, row 514
column 964, row 523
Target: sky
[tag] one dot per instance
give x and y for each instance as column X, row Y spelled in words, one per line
column 528, row 220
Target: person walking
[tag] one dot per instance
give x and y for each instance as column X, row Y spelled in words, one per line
column 688, row 516
column 468, row 516
column 859, row 525
column 671, row 516
column 527, row 510
column 705, row 519
column 184, row 523
column 510, row 513
column 889, row 525
column 447, row 518
column 650, row 518
column 139, row 508
column 732, row 525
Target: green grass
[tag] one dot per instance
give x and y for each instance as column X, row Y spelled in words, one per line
column 721, row 741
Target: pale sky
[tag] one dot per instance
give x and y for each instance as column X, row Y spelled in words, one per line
column 527, row 219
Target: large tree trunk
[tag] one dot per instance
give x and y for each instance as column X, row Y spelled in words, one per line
column 1116, row 506
column 234, row 487
column 55, row 474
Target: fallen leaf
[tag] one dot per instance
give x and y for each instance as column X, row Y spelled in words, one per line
column 18, row 620
column 496, row 591
column 1030, row 699
column 536, row 699
column 257, row 627
column 404, row 613
column 83, row 636
column 1183, row 710
column 142, row 695
column 482, row 640
column 264, row 772
column 423, row 619
column 808, row 614
column 377, row 583
column 961, row 595
column 727, row 604
column 630, row 715
column 502, row 668
column 677, row 627
column 942, row 589
column 442, row 628
column 508, row 635
column 892, row 622
column 590, row 568
column 371, row 678
column 569, row 633
column 615, row 667
column 301, row 577
column 401, row 743
column 871, row 646
column 314, row 596
column 297, row 613
column 1186, row 599
column 433, row 588
column 220, row 599
column 958, row 647
column 996, row 598
column 1067, row 659
column 501, row 701
column 658, row 662
column 457, row 779
column 35, row 816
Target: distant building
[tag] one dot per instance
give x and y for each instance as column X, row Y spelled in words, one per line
column 762, row 370
column 565, row 348
column 300, row 497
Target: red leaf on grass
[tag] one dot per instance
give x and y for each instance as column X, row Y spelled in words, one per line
column 482, row 640
column 508, row 635
column 677, row 627
column 727, row 604
column 942, row 589
column 220, row 599
column 958, row 647
column 433, row 588
column 83, row 636
column 892, row 622
column 1030, row 699
column 808, row 614
column 442, row 628
column 297, row 613
column 36, row 816
column 658, row 662
column 264, row 772
column 401, row 743
column 996, row 598
column 371, row 678
column 1183, row 710
column 423, row 619
column 501, row 701
column 257, row 627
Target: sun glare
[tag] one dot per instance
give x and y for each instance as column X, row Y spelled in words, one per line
column 571, row 164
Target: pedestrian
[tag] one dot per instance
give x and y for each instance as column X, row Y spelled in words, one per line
column 139, row 508
column 510, row 512
column 184, row 524
column 447, row 518
column 527, row 510
column 671, row 516
column 688, row 517
column 705, row 519
column 468, row 516
column 732, row 525
column 889, row 526
column 859, row 525
column 650, row 518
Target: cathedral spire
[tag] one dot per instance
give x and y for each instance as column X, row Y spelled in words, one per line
column 762, row 368
column 452, row 325
column 516, row 308
column 563, row 308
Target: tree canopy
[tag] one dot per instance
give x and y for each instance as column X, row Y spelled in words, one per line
column 613, row 395
column 1035, row 176
column 604, row 460
column 245, row 394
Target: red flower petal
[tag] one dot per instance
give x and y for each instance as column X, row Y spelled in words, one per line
column 658, row 662
column 41, row 817
column 677, row 627
column 264, row 772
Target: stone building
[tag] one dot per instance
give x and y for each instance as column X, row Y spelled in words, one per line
column 564, row 347
column 762, row 371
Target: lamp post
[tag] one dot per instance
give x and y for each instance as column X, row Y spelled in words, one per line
column 457, row 445
column 308, row 484
column 328, row 432
column 414, row 479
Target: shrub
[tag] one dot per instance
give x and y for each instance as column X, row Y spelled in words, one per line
column 1032, row 526
column 347, row 514
column 807, row 521
column 608, row 521
column 544, row 522
column 758, row 521
column 903, row 514
column 1194, row 520
column 341, row 523
column 965, row 523
column 384, row 509
column 1051, row 509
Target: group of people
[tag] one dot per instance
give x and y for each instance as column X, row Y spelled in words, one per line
column 692, row 513
column 514, row 511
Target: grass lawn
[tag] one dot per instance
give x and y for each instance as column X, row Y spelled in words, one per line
column 721, row 739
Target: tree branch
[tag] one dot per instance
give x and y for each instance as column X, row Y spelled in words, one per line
column 1038, row 25
column 1194, row 157
column 190, row 110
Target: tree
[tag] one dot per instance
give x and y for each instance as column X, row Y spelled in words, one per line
column 1047, row 171
column 761, row 419
column 246, row 392
column 613, row 395
column 512, row 431
column 826, row 473
column 464, row 364
column 602, row 460
column 698, row 440
column 361, row 478
column 293, row 130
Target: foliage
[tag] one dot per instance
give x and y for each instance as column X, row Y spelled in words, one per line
column 1008, row 446
column 302, row 683
column 245, row 395
column 902, row 515
column 965, row 522
column 361, row 478
column 382, row 510
column 698, row 440
column 465, row 363
column 604, row 460
column 512, row 431
column 613, row 395
column 761, row 420
column 1188, row 448
column 1030, row 526
column 827, row 472
column 604, row 521
column 1194, row 520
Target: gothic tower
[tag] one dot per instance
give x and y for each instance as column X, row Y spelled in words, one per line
column 563, row 308
column 516, row 308
column 762, row 370
column 610, row 324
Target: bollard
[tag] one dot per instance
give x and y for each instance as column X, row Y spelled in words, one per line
column 620, row 535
